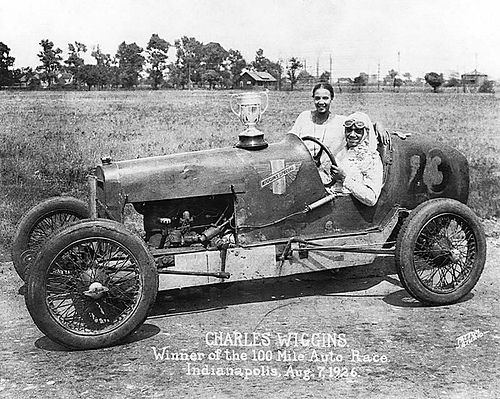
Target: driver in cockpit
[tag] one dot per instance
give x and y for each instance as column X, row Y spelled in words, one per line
column 359, row 169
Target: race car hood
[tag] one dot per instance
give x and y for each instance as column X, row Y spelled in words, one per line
column 199, row 173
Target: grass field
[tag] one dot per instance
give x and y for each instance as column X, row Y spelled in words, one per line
column 49, row 141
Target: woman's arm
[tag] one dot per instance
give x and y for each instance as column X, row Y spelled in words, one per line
column 300, row 125
column 382, row 134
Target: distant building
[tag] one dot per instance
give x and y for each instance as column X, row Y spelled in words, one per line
column 24, row 81
column 419, row 81
column 474, row 78
column 344, row 81
column 372, row 79
column 250, row 79
column 389, row 80
column 64, row 79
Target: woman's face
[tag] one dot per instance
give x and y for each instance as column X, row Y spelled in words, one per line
column 354, row 136
column 322, row 100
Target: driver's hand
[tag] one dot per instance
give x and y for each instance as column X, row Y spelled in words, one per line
column 324, row 174
column 337, row 173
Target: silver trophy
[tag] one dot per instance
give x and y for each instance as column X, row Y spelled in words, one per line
column 248, row 107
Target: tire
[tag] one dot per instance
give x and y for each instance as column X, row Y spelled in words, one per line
column 91, row 285
column 39, row 224
column 440, row 251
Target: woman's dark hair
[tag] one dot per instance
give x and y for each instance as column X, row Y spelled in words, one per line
column 324, row 85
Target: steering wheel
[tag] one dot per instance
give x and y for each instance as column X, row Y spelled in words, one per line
column 322, row 147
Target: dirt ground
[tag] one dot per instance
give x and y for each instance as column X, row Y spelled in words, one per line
column 387, row 345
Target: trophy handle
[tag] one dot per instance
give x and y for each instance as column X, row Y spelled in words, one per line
column 267, row 100
column 231, row 102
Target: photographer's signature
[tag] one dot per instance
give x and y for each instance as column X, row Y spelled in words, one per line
column 469, row 338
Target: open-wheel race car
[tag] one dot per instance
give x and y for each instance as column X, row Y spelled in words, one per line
column 245, row 212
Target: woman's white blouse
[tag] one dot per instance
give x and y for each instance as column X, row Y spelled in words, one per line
column 330, row 133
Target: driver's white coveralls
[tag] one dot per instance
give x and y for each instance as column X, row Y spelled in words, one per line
column 364, row 174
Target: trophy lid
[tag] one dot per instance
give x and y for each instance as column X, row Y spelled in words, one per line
column 249, row 99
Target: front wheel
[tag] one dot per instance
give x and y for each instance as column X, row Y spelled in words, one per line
column 440, row 251
column 92, row 285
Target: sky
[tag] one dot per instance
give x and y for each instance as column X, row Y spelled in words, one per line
column 416, row 36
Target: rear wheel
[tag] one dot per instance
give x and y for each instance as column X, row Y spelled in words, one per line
column 440, row 251
column 39, row 224
column 92, row 285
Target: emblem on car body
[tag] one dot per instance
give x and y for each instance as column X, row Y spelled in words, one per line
column 281, row 175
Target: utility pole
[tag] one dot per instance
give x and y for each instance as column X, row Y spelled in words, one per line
column 331, row 77
column 279, row 74
column 317, row 68
column 378, row 77
column 399, row 63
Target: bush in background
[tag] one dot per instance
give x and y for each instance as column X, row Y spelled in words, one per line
column 488, row 86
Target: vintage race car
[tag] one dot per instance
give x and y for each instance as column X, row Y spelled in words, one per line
column 240, row 213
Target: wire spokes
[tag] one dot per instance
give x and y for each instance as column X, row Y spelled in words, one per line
column 93, row 285
column 444, row 253
column 44, row 229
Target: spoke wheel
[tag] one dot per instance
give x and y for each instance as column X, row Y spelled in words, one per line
column 39, row 224
column 441, row 251
column 444, row 253
column 92, row 285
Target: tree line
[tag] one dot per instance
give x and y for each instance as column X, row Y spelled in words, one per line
column 195, row 64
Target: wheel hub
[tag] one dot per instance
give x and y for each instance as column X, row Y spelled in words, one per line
column 438, row 252
column 96, row 290
column 92, row 278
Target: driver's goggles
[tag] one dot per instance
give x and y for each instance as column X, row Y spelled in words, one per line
column 354, row 124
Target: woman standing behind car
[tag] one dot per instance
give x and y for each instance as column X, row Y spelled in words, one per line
column 320, row 123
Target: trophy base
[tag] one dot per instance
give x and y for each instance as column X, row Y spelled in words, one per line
column 252, row 139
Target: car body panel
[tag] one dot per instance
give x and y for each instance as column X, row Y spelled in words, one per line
column 273, row 183
column 266, row 261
